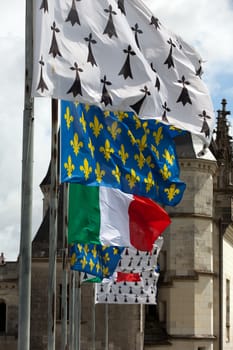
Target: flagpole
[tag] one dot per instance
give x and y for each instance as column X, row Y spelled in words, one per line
column 77, row 309
column 71, row 308
column 26, row 192
column 93, row 319
column 53, row 229
column 106, row 326
column 64, row 344
column 141, row 326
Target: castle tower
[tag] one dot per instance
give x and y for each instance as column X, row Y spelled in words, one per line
column 186, row 291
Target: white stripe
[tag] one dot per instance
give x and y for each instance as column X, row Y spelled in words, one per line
column 114, row 219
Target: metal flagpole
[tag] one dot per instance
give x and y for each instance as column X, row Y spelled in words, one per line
column 93, row 319
column 26, row 192
column 71, row 308
column 64, row 344
column 77, row 312
column 53, row 230
column 106, row 326
column 141, row 326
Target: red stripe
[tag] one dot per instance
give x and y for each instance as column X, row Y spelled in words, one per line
column 128, row 277
column 147, row 221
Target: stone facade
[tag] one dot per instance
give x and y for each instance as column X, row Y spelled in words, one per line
column 195, row 294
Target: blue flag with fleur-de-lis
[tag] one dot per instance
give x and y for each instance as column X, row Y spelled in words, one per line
column 117, row 149
column 95, row 259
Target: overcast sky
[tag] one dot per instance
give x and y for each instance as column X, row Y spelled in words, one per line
column 207, row 25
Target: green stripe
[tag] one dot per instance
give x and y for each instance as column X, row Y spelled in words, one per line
column 84, row 214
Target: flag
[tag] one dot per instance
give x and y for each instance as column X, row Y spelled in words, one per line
column 107, row 216
column 97, row 260
column 119, row 150
column 135, row 279
column 119, row 56
column 112, row 291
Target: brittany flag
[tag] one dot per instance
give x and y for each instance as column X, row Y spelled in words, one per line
column 117, row 55
column 135, row 279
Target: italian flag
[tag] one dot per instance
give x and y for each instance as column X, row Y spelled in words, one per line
column 107, row 216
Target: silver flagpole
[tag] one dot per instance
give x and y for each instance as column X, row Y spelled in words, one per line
column 71, row 308
column 26, row 192
column 141, row 326
column 64, row 344
column 106, row 326
column 77, row 312
column 93, row 319
column 53, row 230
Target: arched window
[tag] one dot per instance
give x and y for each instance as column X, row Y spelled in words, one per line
column 2, row 316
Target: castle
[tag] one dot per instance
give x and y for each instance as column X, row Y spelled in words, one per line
column 195, row 298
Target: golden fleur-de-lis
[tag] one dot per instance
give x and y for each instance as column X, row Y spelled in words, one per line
column 94, row 251
column 105, row 271
column 91, row 147
column 149, row 181
column 165, row 172
column 123, row 154
column 99, row 173
column 83, row 262
column 154, row 149
column 86, row 249
column 76, row 103
column 117, row 174
column 76, row 144
column 96, row 126
column 169, row 157
column 91, row 264
column 115, row 251
column 142, row 143
column 69, row 166
column 122, row 115
column 68, row 117
column 80, row 247
column 132, row 178
column 97, row 266
column 106, row 258
column 114, row 130
column 149, row 162
column 132, row 138
column 86, row 169
column 138, row 123
column 87, row 107
column 83, row 122
column 172, row 191
column 146, row 130
column 158, row 135
column 107, row 150
column 106, row 114
column 172, row 127
column 73, row 259
column 140, row 160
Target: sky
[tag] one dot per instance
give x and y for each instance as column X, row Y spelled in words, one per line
column 206, row 25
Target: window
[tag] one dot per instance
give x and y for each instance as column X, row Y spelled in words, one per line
column 2, row 316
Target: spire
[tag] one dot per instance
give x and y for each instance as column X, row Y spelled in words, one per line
column 223, row 148
column 223, row 140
